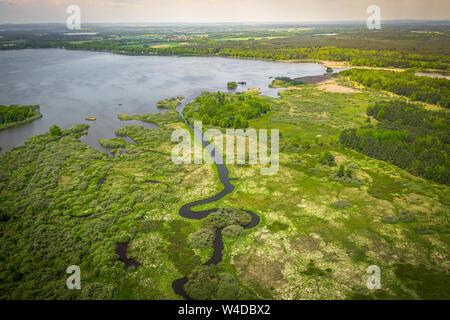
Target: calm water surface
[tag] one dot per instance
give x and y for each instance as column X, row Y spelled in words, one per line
column 72, row 85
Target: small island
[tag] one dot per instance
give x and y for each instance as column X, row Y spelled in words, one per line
column 91, row 118
column 112, row 143
column 16, row 115
column 171, row 103
column 232, row 85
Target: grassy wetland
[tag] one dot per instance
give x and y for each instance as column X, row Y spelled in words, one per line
column 324, row 223
column 363, row 175
column 328, row 213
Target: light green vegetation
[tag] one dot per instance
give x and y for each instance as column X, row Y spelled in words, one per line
column 232, row 85
column 16, row 115
column 322, row 224
column 226, row 218
column 112, row 143
column 171, row 103
column 312, row 115
column 157, row 119
column 328, row 214
column 64, row 203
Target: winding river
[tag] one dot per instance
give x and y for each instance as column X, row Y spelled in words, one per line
column 70, row 86
column 186, row 210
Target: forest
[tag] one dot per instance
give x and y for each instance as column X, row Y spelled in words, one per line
column 397, row 46
column 226, row 110
column 15, row 114
column 417, row 88
column 408, row 136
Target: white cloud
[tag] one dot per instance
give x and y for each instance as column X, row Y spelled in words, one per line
column 218, row 10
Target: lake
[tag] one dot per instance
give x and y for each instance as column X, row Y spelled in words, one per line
column 72, row 85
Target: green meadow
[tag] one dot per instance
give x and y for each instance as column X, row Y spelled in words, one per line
column 326, row 216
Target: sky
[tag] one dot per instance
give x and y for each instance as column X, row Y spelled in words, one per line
column 153, row 11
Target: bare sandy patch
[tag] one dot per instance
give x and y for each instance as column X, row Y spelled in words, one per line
column 332, row 86
column 335, row 64
column 160, row 46
column 253, row 90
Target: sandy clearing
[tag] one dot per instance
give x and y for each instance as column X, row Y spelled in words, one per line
column 253, row 90
column 332, row 86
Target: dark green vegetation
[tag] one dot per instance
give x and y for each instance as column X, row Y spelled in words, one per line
column 232, row 85
column 284, row 82
column 417, row 88
column 402, row 44
column 317, row 227
column 208, row 283
column 15, row 115
column 55, row 131
column 408, row 136
column 331, row 210
column 223, row 218
column 55, row 212
column 226, row 110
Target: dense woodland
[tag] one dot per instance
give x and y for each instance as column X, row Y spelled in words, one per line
column 268, row 51
column 408, row 136
column 225, row 110
column 14, row 114
column 418, row 88
column 397, row 46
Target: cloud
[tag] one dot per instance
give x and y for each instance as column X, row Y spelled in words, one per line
column 218, row 10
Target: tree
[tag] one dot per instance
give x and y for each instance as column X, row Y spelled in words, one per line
column 341, row 171
column 349, row 173
column 232, row 85
column 55, row 131
column 328, row 160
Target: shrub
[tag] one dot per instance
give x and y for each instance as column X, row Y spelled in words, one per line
column 226, row 217
column 233, row 231
column 112, row 143
column 202, row 283
column 203, row 238
column 407, row 216
column 328, row 160
column 390, row 219
column 232, row 85
column 341, row 171
column 353, row 166
column 228, row 288
column 349, row 173
column 341, row 204
column 55, row 131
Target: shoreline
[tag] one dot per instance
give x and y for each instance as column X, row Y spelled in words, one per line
column 21, row 123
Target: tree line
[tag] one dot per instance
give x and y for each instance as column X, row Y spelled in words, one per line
column 408, row 136
column 226, row 110
column 417, row 88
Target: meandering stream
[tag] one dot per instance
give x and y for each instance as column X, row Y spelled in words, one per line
column 186, row 210
column 73, row 85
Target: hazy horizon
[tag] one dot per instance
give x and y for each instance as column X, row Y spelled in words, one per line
column 219, row 11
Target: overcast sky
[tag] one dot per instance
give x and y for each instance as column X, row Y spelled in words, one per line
column 22, row 11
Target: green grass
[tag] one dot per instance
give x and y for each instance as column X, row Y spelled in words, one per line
column 303, row 248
